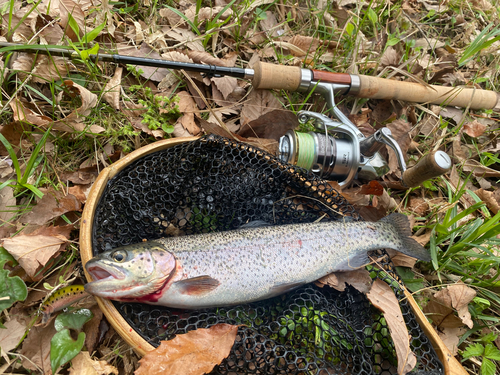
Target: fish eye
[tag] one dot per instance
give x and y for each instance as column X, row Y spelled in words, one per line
column 119, row 256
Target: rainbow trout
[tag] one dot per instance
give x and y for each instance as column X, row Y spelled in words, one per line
column 243, row 265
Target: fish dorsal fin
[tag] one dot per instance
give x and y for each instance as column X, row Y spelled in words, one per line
column 197, row 285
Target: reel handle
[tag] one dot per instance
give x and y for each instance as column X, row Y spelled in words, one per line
column 431, row 165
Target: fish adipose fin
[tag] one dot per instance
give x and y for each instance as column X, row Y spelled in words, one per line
column 410, row 247
column 196, row 286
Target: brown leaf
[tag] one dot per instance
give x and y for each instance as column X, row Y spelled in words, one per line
column 400, row 259
column 226, row 85
column 187, row 37
column 271, row 125
column 11, row 336
column 21, row 113
column 419, row 206
column 474, row 129
column 461, row 295
column 81, row 177
column 203, row 57
column 81, row 192
column 187, row 107
column 390, row 57
column 36, row 348
column 382, row 297
column 196, row 352
column 259, row 103
column 74, row 121
column 112, row 89
column 372, row 188
column 52, row 205
column 490, row 199
column 148, row 72
column 67, row 7
column 91, row 328
column 308, row 45
column 450, row 337
column 8, row 211
column 359, row 279
column 474, row 166
column 424, row 238
column 82, row 364
column 401, row 132
column 33, row 252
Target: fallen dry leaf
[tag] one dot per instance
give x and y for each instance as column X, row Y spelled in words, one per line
column 454, row 297
column 451, row 337
column 82, row 364
column 281, row 122
column 7, row 211
column 11, row 336
column 33, row 252
column 74, row 122
column 474, row 129
column 91, row 329
column 112, row 89
column 490, row 199
column 196, row 352
column 359, row 279
column 21, row 113
column 259, row 103
column 36, row 348
column 187, row 107
column 461, row 295
column 67, row 8
column 372, row 188
column 52, row 205
column 474, row 166
column 382, row 297
column 400, row 130
column 400, row 259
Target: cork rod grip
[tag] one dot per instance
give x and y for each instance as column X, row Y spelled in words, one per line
column 273, row 76
column 431, row 165
column 381, row 88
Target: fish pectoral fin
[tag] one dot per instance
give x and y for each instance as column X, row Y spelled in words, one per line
column 197, row 285
column 278, row 289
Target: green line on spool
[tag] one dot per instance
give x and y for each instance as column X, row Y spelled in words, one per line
column 305, row 148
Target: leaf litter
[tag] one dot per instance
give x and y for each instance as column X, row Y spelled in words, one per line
column 245, row 111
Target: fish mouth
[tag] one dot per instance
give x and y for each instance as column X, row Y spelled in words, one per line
column 104, row 272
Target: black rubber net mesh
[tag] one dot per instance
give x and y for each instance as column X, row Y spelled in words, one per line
column 216, row 184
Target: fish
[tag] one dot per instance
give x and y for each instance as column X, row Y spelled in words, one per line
column 243, row 265
column 61, row 299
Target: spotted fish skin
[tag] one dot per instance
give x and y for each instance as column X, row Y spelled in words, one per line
column 61, row 299
column 246, row 265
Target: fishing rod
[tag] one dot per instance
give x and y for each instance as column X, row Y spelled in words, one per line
column 339, row 150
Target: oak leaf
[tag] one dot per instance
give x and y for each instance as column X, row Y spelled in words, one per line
column 196, row 352
column 382, row 297
column 187, row 107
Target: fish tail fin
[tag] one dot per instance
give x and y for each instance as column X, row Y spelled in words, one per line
column 410, row 247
